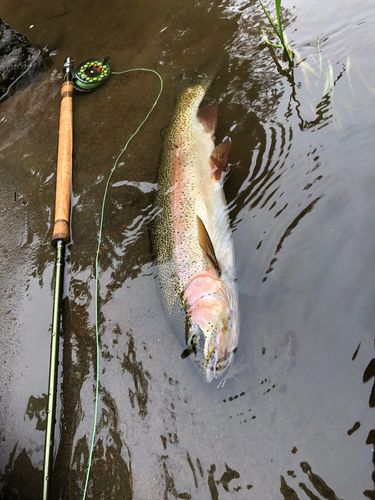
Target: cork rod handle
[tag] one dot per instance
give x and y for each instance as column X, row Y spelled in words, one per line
column 61, row 228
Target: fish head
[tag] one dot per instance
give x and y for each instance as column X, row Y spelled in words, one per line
column 212, row 325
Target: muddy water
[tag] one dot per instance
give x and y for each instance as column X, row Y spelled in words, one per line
column 295, row 419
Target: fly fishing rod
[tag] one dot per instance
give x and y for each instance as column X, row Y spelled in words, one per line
column 60, row 237
column 89, row 75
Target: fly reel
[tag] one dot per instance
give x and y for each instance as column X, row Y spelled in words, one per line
column 91, row 74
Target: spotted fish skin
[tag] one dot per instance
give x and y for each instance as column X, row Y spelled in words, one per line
column 191, row 238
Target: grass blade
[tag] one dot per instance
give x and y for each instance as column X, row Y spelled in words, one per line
column 347, row 105
column 347, row 67
column 279, row 32
column 269, row 18
column 266, row 39
column 371, row 89
column 278, row 5
column 330, row 73
column 320, row 58
column 307, row 66
column 326, row 84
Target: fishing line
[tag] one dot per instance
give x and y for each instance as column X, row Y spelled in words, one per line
column 80, row 83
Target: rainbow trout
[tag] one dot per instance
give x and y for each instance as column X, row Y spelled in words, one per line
column 191, row 237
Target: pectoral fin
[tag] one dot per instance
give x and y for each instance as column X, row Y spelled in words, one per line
column 206, row 244
column 207, row 115
column 219, row 159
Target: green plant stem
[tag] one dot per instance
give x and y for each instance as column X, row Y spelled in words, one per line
column 279, row 32
column 270, row 20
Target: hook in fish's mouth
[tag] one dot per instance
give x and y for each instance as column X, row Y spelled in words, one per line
column 212, row 352
column 216, row 365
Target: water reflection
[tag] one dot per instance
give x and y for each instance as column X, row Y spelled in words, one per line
column 288, row 232
column 319, row 485
column 367, row 375
column 206, row 482
column 140, row 377
column 111, row 473
column 21, row 480
column 36, row 408
column 228, row 476
column 77, row 351
column 355, row 427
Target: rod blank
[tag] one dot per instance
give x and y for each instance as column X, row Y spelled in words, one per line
column 53, row 371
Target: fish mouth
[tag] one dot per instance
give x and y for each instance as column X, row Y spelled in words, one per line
column 209, row 354
column 212, row 323
column 216, row 364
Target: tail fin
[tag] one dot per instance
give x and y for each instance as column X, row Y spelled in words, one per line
column 202, row 76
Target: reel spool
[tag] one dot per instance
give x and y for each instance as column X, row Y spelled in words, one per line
column 91, row 74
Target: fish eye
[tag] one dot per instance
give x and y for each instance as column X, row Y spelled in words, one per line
column 196, row 340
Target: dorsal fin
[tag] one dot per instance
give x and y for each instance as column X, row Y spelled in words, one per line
column 206, row 244
column 207, row 115
column 219, row 159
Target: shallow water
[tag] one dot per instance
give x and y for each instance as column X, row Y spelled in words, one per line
column 295, row 419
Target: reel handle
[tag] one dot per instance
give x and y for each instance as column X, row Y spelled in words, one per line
column 61, row 228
